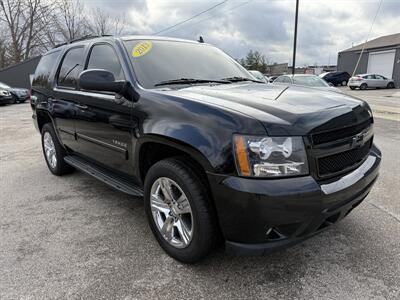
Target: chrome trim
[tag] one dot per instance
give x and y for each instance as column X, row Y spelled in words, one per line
column 349, row 179
column 101, row 143
column 87, row 94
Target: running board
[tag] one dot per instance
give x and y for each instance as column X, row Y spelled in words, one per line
column 104, row 176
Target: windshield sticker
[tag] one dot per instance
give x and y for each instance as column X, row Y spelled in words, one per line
column 142, row 48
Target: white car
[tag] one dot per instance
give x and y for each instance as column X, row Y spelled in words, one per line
column 365, row 81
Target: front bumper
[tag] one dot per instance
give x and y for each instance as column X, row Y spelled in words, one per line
column 258, row 216
column 6, row 100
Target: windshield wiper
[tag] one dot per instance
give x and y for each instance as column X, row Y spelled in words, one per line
column 190, row 80
column 238, row 79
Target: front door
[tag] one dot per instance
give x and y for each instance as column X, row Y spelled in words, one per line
column 103, row 123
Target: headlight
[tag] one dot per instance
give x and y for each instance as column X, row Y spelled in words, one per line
column 270, row 156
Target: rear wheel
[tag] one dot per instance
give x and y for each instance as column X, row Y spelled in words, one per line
column 179, row 211
column 390, row 85
column 54, row 152
column 344, row 83
column 363, row 86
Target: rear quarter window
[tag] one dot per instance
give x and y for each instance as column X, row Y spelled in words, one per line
column 43, row 70
column 71, row 66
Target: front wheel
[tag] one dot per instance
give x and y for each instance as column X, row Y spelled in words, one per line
column 390, row 85
column 179, row 210
column 352, row 87
column 344, row 83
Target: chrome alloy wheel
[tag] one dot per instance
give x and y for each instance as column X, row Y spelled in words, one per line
column 50, row 150
column 171, row 212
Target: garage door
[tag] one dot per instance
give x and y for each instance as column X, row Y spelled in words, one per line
column 381, row 63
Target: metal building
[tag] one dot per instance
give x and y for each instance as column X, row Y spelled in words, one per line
column 18, row 75
column 381, row 56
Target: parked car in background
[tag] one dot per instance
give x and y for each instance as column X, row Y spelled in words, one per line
column 306, row 80
column 365, row 81
column 258, row 75
column 5, row 97
column 272, row 78
column 18, row 95
column 336, row 78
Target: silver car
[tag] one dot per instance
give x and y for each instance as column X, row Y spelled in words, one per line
column 365, row 81
column 258, row 75
column 306, row 80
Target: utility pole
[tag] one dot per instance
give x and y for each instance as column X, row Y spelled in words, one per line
column 295, row 36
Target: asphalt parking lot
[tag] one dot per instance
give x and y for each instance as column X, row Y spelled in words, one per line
column 74, row 237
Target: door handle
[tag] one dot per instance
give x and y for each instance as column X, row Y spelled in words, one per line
column 80, row 106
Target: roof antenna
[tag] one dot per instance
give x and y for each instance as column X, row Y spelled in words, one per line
column 201, row 40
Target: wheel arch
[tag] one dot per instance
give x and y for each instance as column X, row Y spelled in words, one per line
column 153, row 148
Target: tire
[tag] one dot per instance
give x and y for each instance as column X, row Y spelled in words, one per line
column 390, row 85
column 344, row 83
column 59, row 166
column 15, row 99
column 352, row 87
column 363, row 86
column 201, row 226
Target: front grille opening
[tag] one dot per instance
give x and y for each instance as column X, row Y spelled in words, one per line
column 329, row 221
column 343, row 160
column 330, row 136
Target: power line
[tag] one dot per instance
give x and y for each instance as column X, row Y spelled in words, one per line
column 191, row 18
column 213, row 15
column 370, row 29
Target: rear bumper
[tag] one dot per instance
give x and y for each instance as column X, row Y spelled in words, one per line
column 260, row 216
column 355, row 83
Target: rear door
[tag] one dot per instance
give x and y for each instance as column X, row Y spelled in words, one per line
column 103, row 125
column 64, row 103
column 369, row 80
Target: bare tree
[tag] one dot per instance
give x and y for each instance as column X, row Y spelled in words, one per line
column 102, row 23
column 70, row 19
column 24, row 21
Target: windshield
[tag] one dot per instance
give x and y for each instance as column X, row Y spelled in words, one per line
column 4, row 86
column 314, row 81
column 160, row 61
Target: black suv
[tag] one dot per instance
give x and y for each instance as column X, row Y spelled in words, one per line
column 215, row 154
column 336, row 78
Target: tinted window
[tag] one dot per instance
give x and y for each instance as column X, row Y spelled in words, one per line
column 70, row 68
column 160, row 61
column 44, row 68
column 104, row 57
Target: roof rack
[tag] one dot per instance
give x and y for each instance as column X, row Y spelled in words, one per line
column 85, row 37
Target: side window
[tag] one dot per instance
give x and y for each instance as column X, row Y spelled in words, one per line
column 286, row 80
column 70, row 67
column 103, row 56
column 279, row 79
column 379, row 77
column 44, row 68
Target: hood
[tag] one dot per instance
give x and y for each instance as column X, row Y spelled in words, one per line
column 282, row 110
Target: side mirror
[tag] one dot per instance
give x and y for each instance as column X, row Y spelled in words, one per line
column 100, row 80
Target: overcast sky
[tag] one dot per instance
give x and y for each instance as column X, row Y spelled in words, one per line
column 325, row 26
